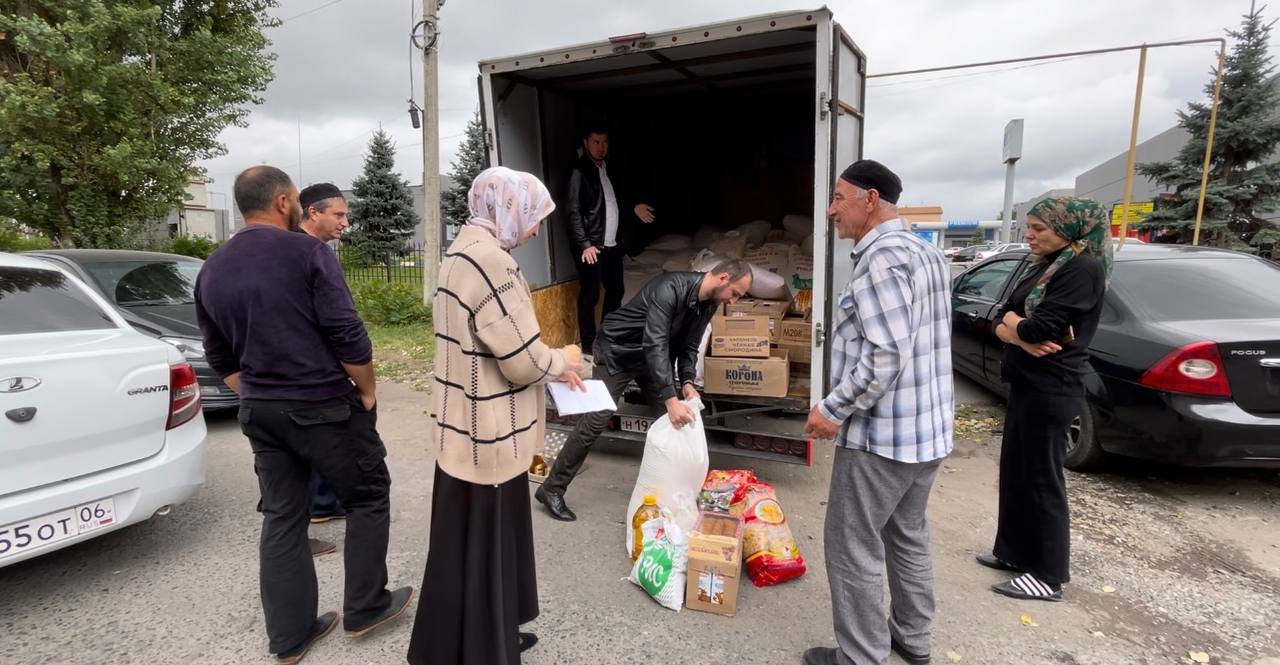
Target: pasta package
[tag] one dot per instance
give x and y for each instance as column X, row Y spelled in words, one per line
column 769, row 549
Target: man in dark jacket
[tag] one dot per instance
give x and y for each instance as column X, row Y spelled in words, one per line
column 659, row 329
column 280, row 328
column 595, row 229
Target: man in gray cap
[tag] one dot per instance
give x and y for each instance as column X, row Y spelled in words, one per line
column 890, row 416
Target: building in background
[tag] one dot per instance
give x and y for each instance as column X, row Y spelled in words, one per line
column 195, row 217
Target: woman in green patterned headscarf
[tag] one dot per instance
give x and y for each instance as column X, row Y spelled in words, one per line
column 1083, row 224
column 1047, row 325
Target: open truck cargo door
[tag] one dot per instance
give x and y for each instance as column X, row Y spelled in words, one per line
column 840, row 112
column 733, row 122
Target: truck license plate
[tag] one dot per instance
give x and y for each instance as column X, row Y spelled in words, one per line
column 634, row 424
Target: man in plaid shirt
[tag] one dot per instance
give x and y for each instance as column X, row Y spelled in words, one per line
column 891, row 418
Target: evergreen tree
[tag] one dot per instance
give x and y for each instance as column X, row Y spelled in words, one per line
column 1243, row 179
column 472, row 158
column 382, row 215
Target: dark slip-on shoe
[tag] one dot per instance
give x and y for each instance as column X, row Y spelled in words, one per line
column 992, row 561
column 324, row 624
column 400, row 599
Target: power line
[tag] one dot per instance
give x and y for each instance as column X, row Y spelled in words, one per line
column 310, row 11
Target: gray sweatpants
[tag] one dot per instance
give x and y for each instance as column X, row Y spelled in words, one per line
column 876, row 521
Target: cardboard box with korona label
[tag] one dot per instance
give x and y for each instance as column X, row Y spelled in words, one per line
column 760, row 377
column 740, row 337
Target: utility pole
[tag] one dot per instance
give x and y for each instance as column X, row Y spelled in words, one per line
column 430, row 35
column 1012, row 153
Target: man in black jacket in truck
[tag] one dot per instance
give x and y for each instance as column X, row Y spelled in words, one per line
column 653, row 341
column 596, row 231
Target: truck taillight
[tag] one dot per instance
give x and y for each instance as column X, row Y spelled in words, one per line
column 184, row 395
column 1195, row 369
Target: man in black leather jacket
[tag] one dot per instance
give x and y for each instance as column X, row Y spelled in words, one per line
column 660, row 328
column 596, row 231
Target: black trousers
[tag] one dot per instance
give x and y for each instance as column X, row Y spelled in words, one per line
column 591, row 425
column 337, row 438
column 1034, row 528
column 607, row 270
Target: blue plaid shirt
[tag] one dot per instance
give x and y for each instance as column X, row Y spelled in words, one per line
column 892, row 349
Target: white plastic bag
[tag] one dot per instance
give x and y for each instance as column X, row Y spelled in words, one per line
column 661, row 568
column 767, row 285
column 674, row 465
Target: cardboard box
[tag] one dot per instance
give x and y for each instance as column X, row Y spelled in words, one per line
column 759, row 377
column 740, row 336
column 796, row 332
column 774, row 310
column 798, row 385
column 715, row 564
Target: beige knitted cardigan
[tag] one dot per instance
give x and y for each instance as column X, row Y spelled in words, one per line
column 488, row 398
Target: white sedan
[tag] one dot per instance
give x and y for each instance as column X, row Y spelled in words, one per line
column 101, row 425
column 985, row 254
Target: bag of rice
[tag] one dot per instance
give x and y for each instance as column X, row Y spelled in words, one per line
column 799, row 225
column 755, row 232
column 733, row 245
column 705, row 261
column 806, row 245
column 660, row 570
column 769, row 549
column 679, row 260
column 801, row 276
column 670, row 242
column 706, row 235
column 651, row 259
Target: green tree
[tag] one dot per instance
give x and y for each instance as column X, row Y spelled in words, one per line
column 472, row 158
column 382, row 215
column 105, row 106
column 1243, row 180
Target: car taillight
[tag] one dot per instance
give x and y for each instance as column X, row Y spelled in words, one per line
column 1195, row 369
column 184, row 395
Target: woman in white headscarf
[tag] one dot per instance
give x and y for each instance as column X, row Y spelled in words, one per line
column 486, row 426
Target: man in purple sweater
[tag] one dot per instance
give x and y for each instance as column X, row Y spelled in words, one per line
column 280, row 328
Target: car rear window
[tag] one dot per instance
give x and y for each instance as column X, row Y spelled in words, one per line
column 37, row 301
column 141, row 283
column 1181, row 289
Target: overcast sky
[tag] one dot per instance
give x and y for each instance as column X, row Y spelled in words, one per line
column 344, row 68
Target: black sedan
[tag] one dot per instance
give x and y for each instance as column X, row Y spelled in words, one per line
column 156, row 294
column 1185, row 366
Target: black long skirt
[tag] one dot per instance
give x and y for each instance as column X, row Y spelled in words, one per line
column 1034, row 531
column 480, row 583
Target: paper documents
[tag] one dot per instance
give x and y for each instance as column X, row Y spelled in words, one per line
column 571, row 402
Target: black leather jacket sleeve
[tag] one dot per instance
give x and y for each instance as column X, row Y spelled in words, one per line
column 688, row 361
column 573, row 207
column 658, row 324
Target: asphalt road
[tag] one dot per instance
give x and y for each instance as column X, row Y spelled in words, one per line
column 1166, row 562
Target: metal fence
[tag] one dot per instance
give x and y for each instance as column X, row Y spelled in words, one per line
column 403, row 266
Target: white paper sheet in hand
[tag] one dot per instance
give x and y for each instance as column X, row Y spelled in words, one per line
column 571, row 402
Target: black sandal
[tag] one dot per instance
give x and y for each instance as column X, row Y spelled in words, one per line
column 991, row 561
column 527, row 640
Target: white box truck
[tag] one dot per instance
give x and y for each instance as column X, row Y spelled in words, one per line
column 724, row 123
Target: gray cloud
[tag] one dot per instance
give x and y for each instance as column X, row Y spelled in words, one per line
column 344, row 69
